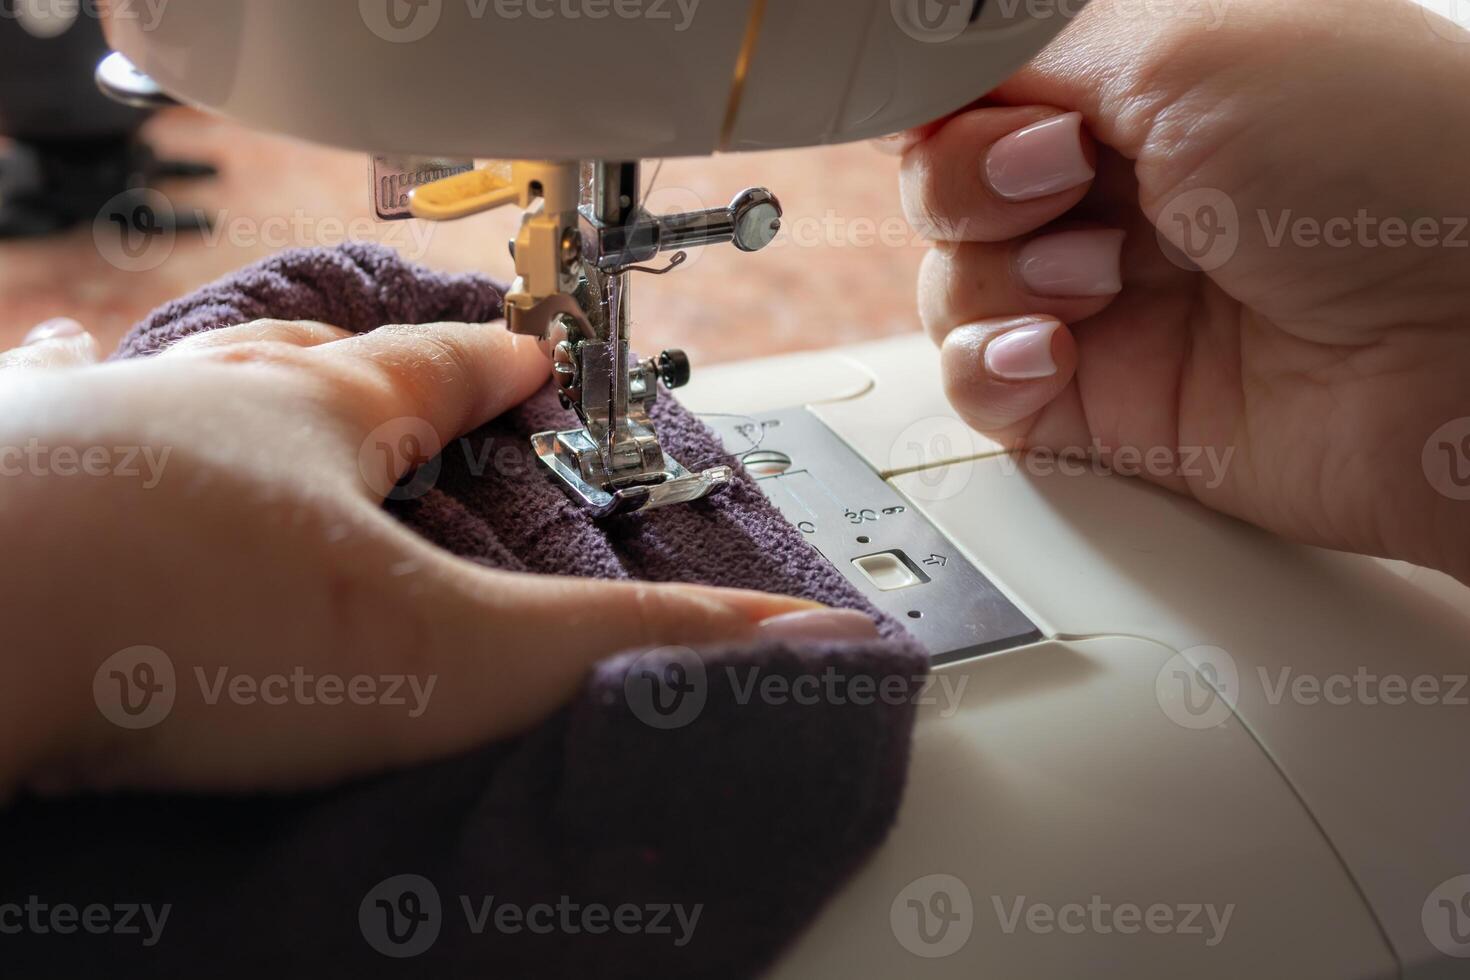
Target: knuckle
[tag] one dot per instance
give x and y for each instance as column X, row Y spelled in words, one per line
column 301, row 331
column 270, row 353
column 359, row 391
column 949, row 284
column 671, row 613
column 419, row 365
column 646, row 612
column 921, row 197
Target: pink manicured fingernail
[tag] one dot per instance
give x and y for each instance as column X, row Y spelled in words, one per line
column 820, row 625
column 1044, row 158
column 1073, row 264
column 893, row 145
column 51, row 329
column 1023, row 354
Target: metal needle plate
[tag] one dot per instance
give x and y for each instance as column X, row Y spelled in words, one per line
column 847, row 512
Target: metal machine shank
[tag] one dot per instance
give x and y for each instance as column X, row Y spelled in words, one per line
column 574, row 264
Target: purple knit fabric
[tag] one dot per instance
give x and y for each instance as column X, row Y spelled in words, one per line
column 751, row 809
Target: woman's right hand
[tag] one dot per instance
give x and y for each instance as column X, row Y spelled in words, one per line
column 1246, row 239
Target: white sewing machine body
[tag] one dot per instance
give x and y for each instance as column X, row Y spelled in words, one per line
column 1127, row 762
column 592, row 80
column 578, row 92
column 1188, row 734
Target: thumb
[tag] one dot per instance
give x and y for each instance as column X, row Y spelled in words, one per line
column 58, row 343
column 508, row 649
column 1001, row 374
column 412, row 656
column 549, row 631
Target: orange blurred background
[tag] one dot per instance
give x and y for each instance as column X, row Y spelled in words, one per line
column 842, row 271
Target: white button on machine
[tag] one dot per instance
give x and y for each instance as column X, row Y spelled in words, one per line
column 890, row 571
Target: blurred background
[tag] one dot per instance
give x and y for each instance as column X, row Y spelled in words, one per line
column 81, row 237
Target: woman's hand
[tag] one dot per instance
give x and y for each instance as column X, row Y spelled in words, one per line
column 1311, row 159
column 209, row 503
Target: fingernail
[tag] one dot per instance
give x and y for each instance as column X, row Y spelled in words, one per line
column 1073, row 264
column 819, row 625
column 1023, row 354
column 51, row 329
column 1044, row 158
column 893, row 144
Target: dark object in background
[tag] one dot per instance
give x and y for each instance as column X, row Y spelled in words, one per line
column 74, row 150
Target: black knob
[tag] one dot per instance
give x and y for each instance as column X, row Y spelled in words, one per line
column 673, row 369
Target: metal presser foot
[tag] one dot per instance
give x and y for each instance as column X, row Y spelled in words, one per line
column 639, row 475
column 573, row 262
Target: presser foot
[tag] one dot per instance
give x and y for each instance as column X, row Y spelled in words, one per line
column 572, row 455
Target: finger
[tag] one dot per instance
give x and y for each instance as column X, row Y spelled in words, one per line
column 58, row 343
column 1123, row 71
column 995, row 173
column 440, row 380
column 475, row 656
column 501, row 679
column 594, row 619
column 1071, row 275
column 297, row 333
column 896, row 144
column 1000, row 375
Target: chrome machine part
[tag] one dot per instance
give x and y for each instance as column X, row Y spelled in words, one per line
column 884, row 545
column 120, row 80
column 572, row 292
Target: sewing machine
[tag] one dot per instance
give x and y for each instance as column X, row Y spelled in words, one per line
column 1175, row 747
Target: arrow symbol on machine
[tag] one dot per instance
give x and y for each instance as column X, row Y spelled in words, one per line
column 937, row 560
